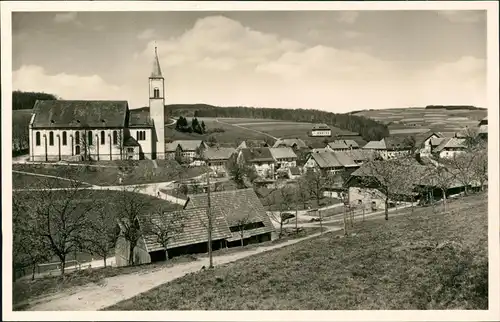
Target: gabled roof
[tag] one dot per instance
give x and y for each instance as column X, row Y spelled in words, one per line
column 360, row 155
column 130, row 141
column 186, row 145
column 437, row 141
column 338, row 145
column 195, row 222
column 139, row 118
column 451, row 143
column 257, row 155
column 333, row 159
column 238, row 206
column 79, row 114
column 420, row 138
column 375, row 145
column 218, row 153
column 321, row 126
column 295, row 171
column 397, row 143
column 290, row 143
column 351, row 143
column 320, row 150
column 282, row 153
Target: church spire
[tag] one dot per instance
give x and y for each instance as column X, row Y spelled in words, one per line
column 156, row 65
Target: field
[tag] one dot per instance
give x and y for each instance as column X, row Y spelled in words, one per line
column 418, row 120
column 419, row 260
column 143, row 172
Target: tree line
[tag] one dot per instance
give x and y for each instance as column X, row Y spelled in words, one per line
column 182, row 125
column 367, row 128
column 26, row 100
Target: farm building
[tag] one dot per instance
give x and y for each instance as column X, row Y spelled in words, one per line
column 449, row 147
column 245, row 216
column 364, row 186
column 330, row 162
column 188, row 150
column 260, row 158
column 218, row 157
column 290, row 143
column 390, row 147
column 285, row 158
column 321, row 130
column 423, row 142
column 342, row 145
column 99, row 130
column 192, row 238
column 238, row 217
column 483, row 128
column 252, row 144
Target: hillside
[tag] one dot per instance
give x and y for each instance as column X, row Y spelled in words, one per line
column 423, row 119
column 420, row 260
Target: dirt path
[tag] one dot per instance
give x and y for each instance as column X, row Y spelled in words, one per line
column 94, row 297
column 245, row 128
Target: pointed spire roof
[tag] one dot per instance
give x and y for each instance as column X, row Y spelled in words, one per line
column 156, row 72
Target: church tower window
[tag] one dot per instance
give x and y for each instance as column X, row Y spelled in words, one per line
column 156, row 92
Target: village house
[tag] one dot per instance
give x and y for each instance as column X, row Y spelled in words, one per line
column 252, row 144
column 260, row 159
column 364, row 188
column 284, row 158
column 185, row 150
column 294, row 173
column 243, row 213
column 99, row 130
column 217, row 157
column 295, row 144
column 449, row 147
column 342, row 145
column 424, row 142
column 330, row 162
column 321, row 130
column 390, row 147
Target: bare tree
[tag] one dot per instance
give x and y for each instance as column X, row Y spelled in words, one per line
column 441, row 178
column 61, row 215
column 164, row 227
column 241, row 174
column 101, row 235
column 480, row 166
column 463, row 166
column 29, row 246
column 386, row 177
column 302, row 193
column 129, row 205
column 316, row 185
column 282, row 198
column 242, row 223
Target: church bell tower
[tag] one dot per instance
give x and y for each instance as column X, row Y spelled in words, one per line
column 157, row 108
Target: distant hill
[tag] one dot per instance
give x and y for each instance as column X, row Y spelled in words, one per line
column 26, row 100
column 454, row 107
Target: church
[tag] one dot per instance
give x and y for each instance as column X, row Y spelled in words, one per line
column 76, row 130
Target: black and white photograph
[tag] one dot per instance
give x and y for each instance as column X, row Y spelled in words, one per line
column 244, row 156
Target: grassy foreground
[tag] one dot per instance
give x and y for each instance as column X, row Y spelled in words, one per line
column 419, row 260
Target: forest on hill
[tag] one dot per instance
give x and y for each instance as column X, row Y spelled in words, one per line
column 453, row 107
column 26, row 100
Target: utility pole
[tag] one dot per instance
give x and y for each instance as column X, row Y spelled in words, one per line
column 209, row 216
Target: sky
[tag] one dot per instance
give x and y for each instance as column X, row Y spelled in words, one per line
column 337, row 61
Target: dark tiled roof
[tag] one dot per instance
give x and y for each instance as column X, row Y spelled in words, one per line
column 257, row 155
column 218, row 153
column 236, row 205
column 139, row 118
column 130, row 141
column 283, row 153
column 290, row 143
column 333, row 159
column 79, row 114
column 195, row 222
column 397, row 143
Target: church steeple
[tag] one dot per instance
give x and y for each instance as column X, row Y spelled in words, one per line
column 156, row 73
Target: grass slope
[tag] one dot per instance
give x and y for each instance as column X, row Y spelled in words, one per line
column 422, row 260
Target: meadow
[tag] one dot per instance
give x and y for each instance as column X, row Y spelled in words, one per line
column 416, row 260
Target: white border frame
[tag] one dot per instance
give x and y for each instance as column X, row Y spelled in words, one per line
column 493, row 314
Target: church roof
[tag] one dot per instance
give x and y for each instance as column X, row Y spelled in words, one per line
column 139, row 119
column 156, row 72
column 79, row 114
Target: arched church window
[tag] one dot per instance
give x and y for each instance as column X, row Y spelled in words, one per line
column 77, row 137
column 156, row 92
column 90, row 141
column 37, row 138
column 103, row 138
column 51, row 138
column 64, row 138
column 77, row 149
column 115, row 137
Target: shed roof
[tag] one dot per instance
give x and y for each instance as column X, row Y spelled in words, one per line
column 195, row 222
column 79, row 114
column 238, row 206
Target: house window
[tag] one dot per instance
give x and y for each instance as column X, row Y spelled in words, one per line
column 51, row 138
column 103, row 138
column 64, row 138
column 115, row 137
column 37, row 138
column 90, row 141
column 77, row 138
column 156, row 92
